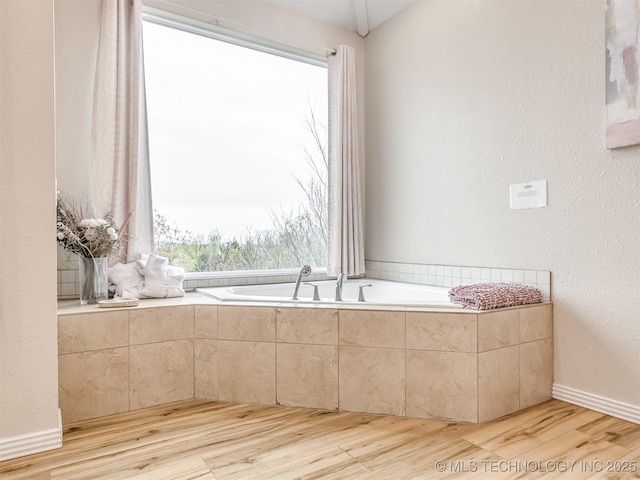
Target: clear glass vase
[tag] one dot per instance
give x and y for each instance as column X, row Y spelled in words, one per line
column 93, row 280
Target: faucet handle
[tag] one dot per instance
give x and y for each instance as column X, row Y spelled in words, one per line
column 316, row 297
column 361, row 292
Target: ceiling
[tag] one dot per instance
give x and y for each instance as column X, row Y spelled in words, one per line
column 360, row 16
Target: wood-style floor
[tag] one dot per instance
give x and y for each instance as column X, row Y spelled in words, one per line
column 207, row 441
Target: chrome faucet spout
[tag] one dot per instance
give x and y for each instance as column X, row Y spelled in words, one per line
column 304, row 272
column 341, row 278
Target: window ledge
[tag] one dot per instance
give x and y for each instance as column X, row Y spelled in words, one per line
column 195, row 280
column 249, row 273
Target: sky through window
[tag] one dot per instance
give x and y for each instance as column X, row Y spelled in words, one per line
column 227, row 130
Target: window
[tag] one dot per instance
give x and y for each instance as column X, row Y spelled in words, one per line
column 237, row 143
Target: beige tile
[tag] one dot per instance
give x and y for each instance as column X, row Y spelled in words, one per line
column 536, row 323
column 149, row 325
column 536, row 372
column 94, row 331
column 307, row 375
column 93, row 384
column 372, row 380
column 307, row 325
column 370, row 328
column 161, row 373
column 498, row 382
column 449, row 332
column 247, row 323
column 498, row 329
column 247, row 372
column 442, row 385
column 206, row 369
column 206, row 321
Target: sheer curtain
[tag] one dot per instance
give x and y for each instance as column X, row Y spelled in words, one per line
column 346, row 241
column 120, row 175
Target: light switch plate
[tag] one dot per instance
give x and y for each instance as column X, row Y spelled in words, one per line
column 528, row 195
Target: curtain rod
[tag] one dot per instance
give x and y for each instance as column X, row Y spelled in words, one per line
column 239, row 27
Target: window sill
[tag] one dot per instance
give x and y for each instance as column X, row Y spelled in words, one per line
column 248, row 277
column 248, row 273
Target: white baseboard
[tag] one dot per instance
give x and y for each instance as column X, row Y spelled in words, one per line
column 600, row 404
column 31, row 443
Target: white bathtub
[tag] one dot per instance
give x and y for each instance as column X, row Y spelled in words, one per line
column 382, row 292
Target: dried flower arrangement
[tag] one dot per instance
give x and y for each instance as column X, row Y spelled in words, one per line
column 93, row 239
column 87, row 237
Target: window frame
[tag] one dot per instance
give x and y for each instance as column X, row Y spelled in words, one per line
column 210, row 26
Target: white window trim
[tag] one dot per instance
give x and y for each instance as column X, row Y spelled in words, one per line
column 213, row 27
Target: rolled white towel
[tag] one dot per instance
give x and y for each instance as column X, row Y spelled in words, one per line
column 160, row 279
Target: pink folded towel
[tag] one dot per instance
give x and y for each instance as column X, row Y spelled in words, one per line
column 486, row 296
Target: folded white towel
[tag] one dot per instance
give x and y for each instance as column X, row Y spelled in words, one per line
column 141, row 263
column 127, row 280
column 149, row 277
column 160, row 279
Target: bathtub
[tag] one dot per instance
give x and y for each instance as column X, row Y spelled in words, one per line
column 381, row 292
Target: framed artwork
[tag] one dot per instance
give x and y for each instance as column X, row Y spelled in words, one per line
column 623, row 72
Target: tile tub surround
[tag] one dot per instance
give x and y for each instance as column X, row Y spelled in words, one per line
column 453, row 275
column 460, row 366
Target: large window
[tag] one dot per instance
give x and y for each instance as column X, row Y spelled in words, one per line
column 238, row 154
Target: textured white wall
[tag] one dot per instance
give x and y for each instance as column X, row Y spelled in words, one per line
column 465, row 98
column 28, row 327
column 76, row 35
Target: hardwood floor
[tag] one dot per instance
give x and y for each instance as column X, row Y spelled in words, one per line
column 206, row 441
